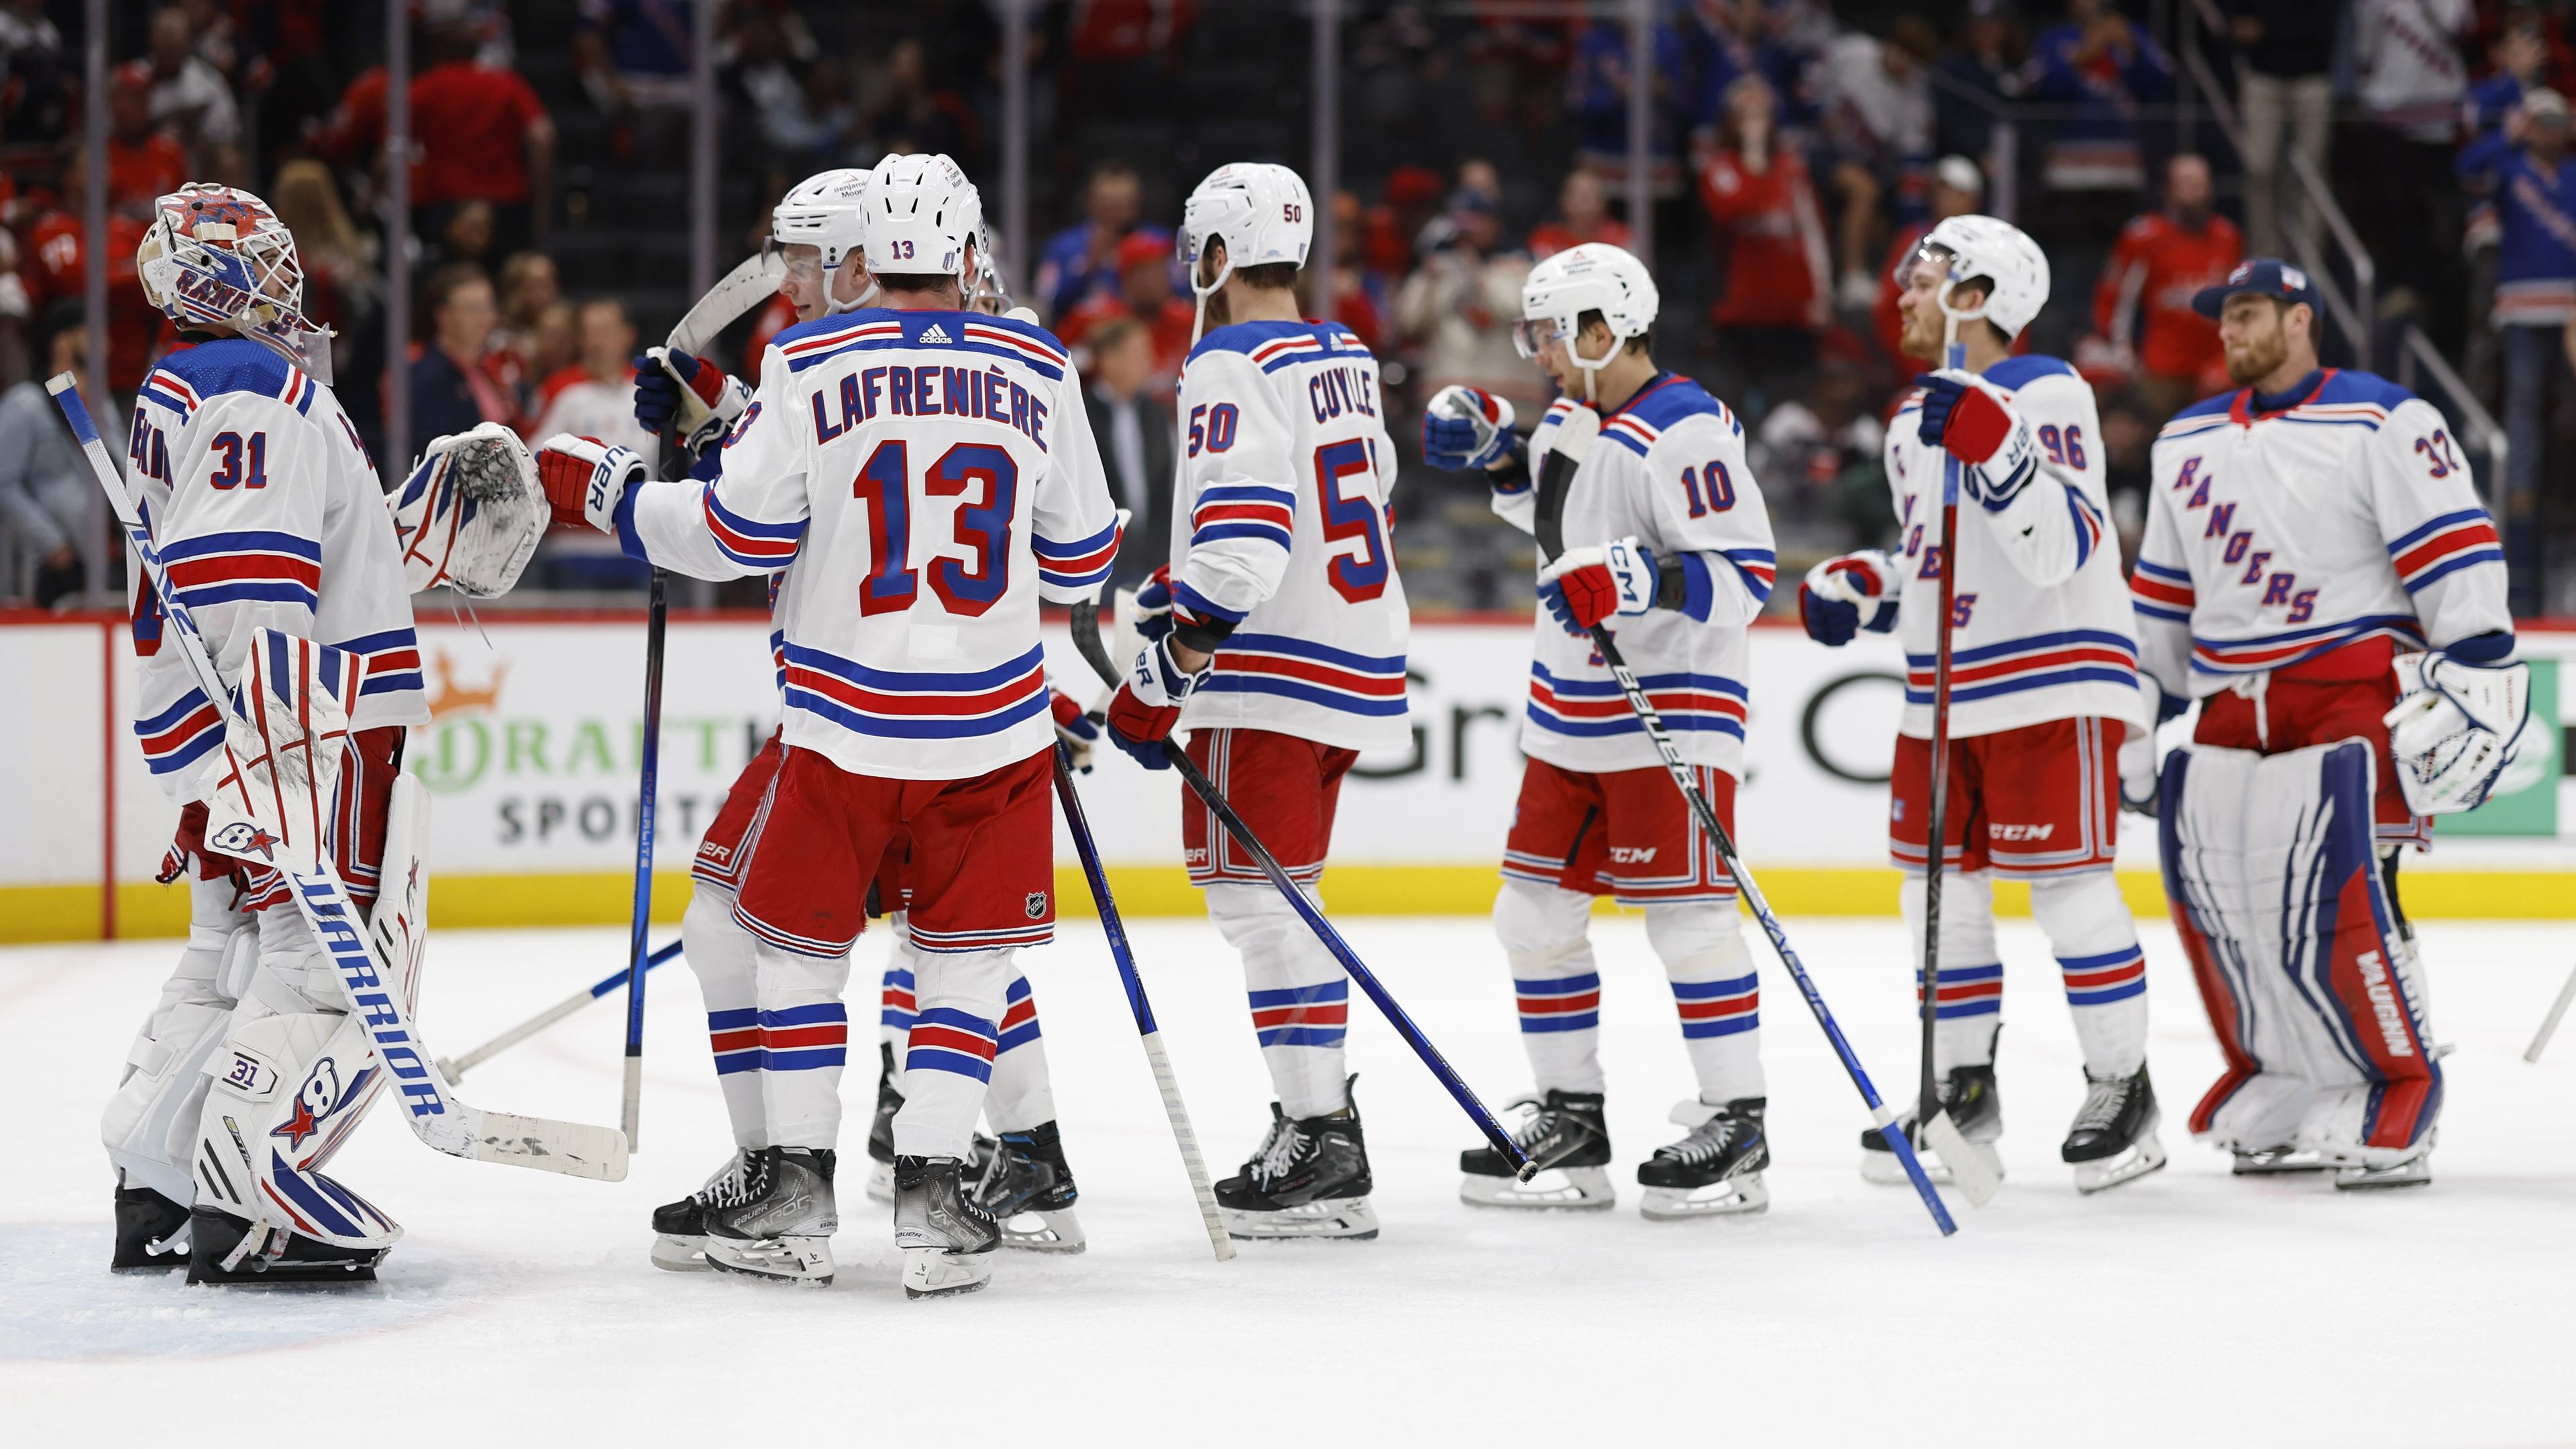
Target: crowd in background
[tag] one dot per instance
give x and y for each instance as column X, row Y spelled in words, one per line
column 1798, row 152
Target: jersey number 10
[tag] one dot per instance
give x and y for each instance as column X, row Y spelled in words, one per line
column 967, row 588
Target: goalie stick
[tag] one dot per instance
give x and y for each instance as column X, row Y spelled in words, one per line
column 1146, row 1029
column 457, row 1067
column 1556, row 472
column 435, row 1114
column 741, row 289
column 1087, row 642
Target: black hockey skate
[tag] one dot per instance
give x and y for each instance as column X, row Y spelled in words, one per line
column 2114, row 1137
column 151, row 1231
column 880, row 1187
column 946, row 1240
column 1565, row 1135
column 1974, row 1107
column 1022, row 1181
column 783, row 1231
column 680, row 1228
column 1715, row 1171
column 1308, row 1179
column 216, row 1237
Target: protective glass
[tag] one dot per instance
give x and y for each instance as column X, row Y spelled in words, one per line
column 1531, row 335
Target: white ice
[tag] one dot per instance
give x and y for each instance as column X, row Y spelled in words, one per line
column 2189, row 1306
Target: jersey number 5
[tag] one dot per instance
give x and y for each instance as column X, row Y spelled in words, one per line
column 966, row 586
column 1358, row 576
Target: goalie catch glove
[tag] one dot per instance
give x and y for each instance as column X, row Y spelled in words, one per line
column 687, row 392
column 586, row 481
column 470, row 514
column 2461, row 732
column 1846, row 594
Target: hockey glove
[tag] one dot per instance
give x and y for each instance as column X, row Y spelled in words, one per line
column 1989, row 438
column 1077, row 730
column 586, row 481
column 2461, row 732
column 1148, row 704
column 1846, row 594
column 682, row 390
column 1154, row 606
column 1589, row 584
column 1466, row 427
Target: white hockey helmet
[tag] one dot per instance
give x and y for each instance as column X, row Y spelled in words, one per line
column 1593, row 277
column 1967, row 247
column 826, row 211
column 923, row 216
column 1258, row 208
column 218, row 255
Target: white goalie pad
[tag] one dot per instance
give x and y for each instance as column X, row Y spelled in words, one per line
column 2462, row 732
column 150, row 1125
column 470, row 514
column 2273, row 877
column 287, row 1092
column 400, row 920
column 277, row 784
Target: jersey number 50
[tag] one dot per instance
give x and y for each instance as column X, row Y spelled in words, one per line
column 966, row 586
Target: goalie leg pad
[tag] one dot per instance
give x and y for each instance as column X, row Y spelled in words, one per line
column 2274, row 878
column 287, row 1092
column 150, row 1126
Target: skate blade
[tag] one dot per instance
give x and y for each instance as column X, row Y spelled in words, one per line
column 1975, row 1166
column 2277, row 1161
column 1347, row 1219
column 1558, row 1189
column 1883, row 1169
column 2144, row 1156
column 678, row 1253
column 1734, row 1197
column 1037, row 1231
column 801, row 1260
column 880, row 1186
column 2415, row 1173
column 933, row 1272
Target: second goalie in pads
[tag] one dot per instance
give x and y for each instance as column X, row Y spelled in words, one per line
column 1277, row 637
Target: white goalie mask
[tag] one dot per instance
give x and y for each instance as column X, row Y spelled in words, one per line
column 922, row 217
column 219, row 256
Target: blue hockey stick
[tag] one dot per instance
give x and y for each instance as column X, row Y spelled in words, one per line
column 1125, row 956
column 1086, row 641
column 457, row 1067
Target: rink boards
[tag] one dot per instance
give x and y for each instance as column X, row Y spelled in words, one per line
column 531, row 760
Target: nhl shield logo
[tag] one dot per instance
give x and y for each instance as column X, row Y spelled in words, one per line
column 1035, row 905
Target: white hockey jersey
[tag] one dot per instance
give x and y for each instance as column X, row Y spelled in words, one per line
column 268, row 514
column 2041, row 628
column 2273, row 538
column 932, row 476
column 1669, row 469
column 1281, row 526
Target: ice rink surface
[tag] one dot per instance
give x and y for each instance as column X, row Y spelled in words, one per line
column 2188, row 1307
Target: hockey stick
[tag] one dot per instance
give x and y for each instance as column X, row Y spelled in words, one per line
column 1125, row 955
column 431, row 1107
column 737, row 292
column 2549, row 1023
column 457, row 1067
column 1574, row 437
column 1086, row 641
column 1978, row 1170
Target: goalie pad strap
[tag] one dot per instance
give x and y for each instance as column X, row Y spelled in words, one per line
column 2273, row 879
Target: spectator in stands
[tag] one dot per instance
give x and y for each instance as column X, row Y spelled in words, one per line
column 1818, row 456
column 1727, row 42
column 2284, row 50
column 633, row 55
column 2535, row 295
column 1407, row 203
column 2102, row 67
column 142, row 161
column 58, row 271
column 598, row 399
column 2128, row 434
column 530, row 284
column 1082, row 259
column 1770, row 238
column 1360, row 295
column 913, row 112
column 1877, row 120
column 1460, row 304
column 36, row 89
column 192, row 101
column 482, row 135
column 1133, row 426
column 339, row 275
column 1145, row 297
column 450, row 391
column 1958, row 188
column 1583, row 215
column 1984, row 63
column 2520, row 58
column 554, row 350
column 2398, row 183
column 1597, row 99
column 2143, row 323
column 45, row 486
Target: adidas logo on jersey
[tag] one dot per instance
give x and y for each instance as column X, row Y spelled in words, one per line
column 934, row 334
